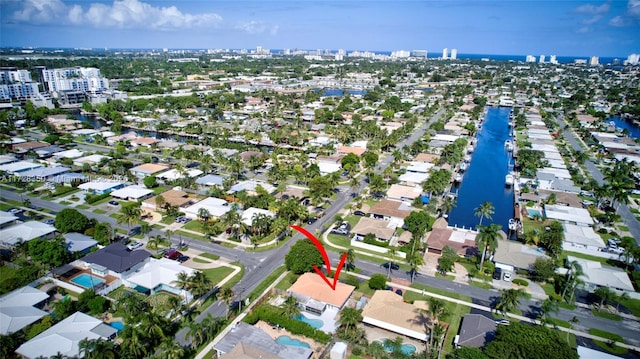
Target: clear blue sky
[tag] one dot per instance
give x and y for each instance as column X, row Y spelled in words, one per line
column 512, row 27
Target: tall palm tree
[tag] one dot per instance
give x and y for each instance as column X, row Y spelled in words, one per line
column 622, row 297
column 182, row 281
column 485, row 210
column 436, row 311
column 391, row 254
column 227, row 295
column 415, row 260
column 448, row 203
column 351, row 259
column 145, row 228
column 604, row 295
column 129, row 215
column 487, row 239
column 509, row 300
column 571, row 278
column 195, row 333
column 97, row 349
column 549, row 305
column 349, row 319
column 290, row 307
column 170, row 349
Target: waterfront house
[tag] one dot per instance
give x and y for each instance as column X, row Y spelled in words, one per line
column 581, row 238
column 392, row 211
column 20, row 308
column 64, row 337
column 398, row 192
column 462, row 240
column 568, row 214
column 511, row 255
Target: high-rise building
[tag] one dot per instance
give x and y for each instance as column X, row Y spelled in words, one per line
column 530, row 58
column 400, row 54
column 542, row 58
column 287, row 52
column 454, row 54
column 594, row 61
column 633, row 59
column 445, row 53
column 553, row 60
column 420, row 53
column 87, row 79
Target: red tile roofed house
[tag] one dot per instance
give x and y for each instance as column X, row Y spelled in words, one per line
column 147, row 169
column 463, row 241
column 143, row 141
column 26, row 146
column 314, row 293
column 392, row 211
column 383, row 230
column 343, row 150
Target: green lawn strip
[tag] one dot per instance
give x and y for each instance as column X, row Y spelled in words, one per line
column 157, row 226
column 623, row 228
column 228, row 245
column 114, row 215
column 482, row 285
column 287, row 281
column 167, row 220
column 447, row 277
column 606, row 315
column 104, row 200
column 456, row 312
column 614, row 349
column 191, row 235
column 84, row 206
column 159, row 190
column 198, row 260
column 236, row 278
column 558, row 322
column 443, row 292
column 345, row 242
column 584, row 256
column 193, row 226
column 65, row 203
column 209, row 255
column 217, row 274
column 98, row 211
column 632, row 305
column 265, row 283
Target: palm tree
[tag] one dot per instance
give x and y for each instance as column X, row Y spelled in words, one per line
column 621, row 297
column 572, row 278
column 509, row 300
column 203, row 214
column 129, row 215
column 145, row 228
column 487, row 239
column 97, row 349
column 227, row 295
column 391, row 253
column 448, row 203
column 199, row 283
column 486, row 209
column 290, row 307
column 549, row 305
column 195, row 333
column 351, row 259
column 604, row 295
column 437, row 333
column 436, row 311
column 349, row 319
column 182, row 281
column 154, row 242
column 415, row 260
column 170, row 349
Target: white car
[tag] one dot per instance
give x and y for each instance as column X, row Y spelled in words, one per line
column 507, row 277
column 133, row 245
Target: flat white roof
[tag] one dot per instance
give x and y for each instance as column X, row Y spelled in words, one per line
column 17, row 167
column 568, row 214
column 413, row 177
column 99, row 185
column 158, row 271
column 556, row 172
column 582, row 235
column 133, row 191
column 247, row 215
column 442, row 137
column 329, row 167
column 544, row 148
column 603, row 276
column 173, row 174
column 216, row 207
column 25, row 232
column 72, row 153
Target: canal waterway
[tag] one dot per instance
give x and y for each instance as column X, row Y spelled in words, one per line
column 484, row 180
column 634, row 131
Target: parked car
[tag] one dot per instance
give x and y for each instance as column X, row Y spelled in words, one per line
column 133, row 245
column 182, row 219
column 503, row 322
column 507, row 276
column 497, row 273
column 50, row 221
column 359, row 213
column 312, row 220
column 114, row 203
column 183, row 258
column 173, row 254
column 393, row 266
column 15, row 210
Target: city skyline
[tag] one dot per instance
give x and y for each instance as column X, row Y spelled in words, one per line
column 565, row 28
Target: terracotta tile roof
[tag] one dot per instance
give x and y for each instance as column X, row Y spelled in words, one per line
column 378, row 227
column 389, row 208
column 355, row 150
column 313, row 286
column 462, row 241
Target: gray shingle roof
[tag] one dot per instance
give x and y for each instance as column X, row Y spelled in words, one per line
column 117, row 257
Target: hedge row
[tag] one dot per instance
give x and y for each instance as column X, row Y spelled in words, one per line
column 273, row 316
column 521, row 282
column 93, row 198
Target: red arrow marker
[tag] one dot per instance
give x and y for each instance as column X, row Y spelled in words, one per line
column 325, row 257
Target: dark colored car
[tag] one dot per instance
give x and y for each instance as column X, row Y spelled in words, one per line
column 114, row 203
column 359, row 213
column 312, row 220
column 394, row 266
column 497, row 274
column 183, row 258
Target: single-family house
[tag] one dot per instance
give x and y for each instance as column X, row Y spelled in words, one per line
column 581, row 237
column 388, row 310
column 132, row 193
column 511, row 255
column 462, row 240
column 215, row 206
column 79, row 243
column 72, row 153
column 7, row 219
column 91, row 160
column 392, row 211
column 413, row 178
column 143, row 141
column 101, row 187
column 64, row 337
column 210, row 180
column 20, row 308
column 249, row 213
column 174, row 174
column 596, row 275
column 25, row 232
column 250, row 187
column 15, row 168
column 116, row 260
column 383, row 230
column 568, row 214
column 147, row 169
column 315, row 296
column 398, row 192
column 475, row 331
column 255, row 340
column 329, row 164
column 157, row 275
column 172, row 197
column 42, row 173
column 358, row 151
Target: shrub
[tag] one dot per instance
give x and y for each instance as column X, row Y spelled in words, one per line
column 351, row 280
column 521, row 282
column 356, row 351
column 93, row 198
column 376, row 242
column 378, row 281
column 274, row 316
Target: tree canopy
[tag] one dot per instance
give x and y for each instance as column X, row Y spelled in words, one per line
column 519, row 341
column 302, row 257
column 70, row 220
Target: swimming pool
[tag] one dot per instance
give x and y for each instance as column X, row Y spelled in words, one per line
column 118, row 325
column 287, row 340
column 87, row 280
column 534, row 212
column 315, row 323
column 407, row 349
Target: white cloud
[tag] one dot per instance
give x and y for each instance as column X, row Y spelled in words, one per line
column 592, row 20
column 274, row 30
column 119, row 14
column 618, row 21
column 633, row 8
column 583, row 30
column 252, row 27
column 593, row 9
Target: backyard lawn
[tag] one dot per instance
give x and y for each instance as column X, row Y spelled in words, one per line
column 217, row 274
